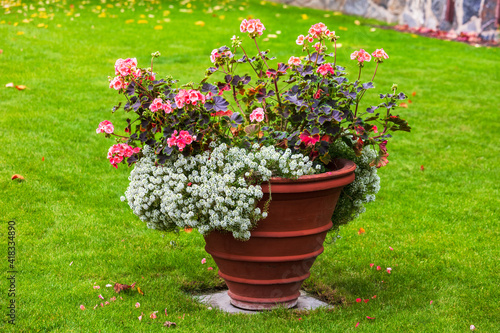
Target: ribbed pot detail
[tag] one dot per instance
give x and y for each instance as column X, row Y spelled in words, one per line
column 268, row 270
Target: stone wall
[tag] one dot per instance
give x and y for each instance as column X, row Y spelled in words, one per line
column 463, row 15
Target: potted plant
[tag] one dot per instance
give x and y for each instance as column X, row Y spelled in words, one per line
column 253, row 159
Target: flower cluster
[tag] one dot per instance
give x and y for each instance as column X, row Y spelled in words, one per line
column 306, row 107
column 105, row 127
column 257, row 115
column 158, row 104
column 117, row 152
column 254, row 27
column 220, row 54
column 190, row 96
column 181, row 140
column 317, row 31
column 214, row 190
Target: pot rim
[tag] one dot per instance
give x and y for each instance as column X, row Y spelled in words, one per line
column 346, row 168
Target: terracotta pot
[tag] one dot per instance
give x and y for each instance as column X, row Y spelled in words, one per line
column 268, row 270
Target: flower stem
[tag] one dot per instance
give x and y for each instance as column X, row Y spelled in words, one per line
column 360, row 66
column 375, row 71
column 335, row 54
column 261, row 56
column 249, row 60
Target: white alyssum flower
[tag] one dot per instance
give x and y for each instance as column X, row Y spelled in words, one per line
column 364, row 188
column 213, row 190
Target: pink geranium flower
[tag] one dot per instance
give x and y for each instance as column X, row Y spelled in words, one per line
column 117, row 83
column 215, row 55
column 254, row 27
column 156, row 105
column 361, row 56
column 181, row 140
column 82, row 307
column 325, row 69
column 105, row 127
column 117, row 152
column 191, row 96
column 125, row 67
column 257, row 115
column 300, row 40
column 294, row 61
column 203, row 261
column 317, row 30
column 380, row 54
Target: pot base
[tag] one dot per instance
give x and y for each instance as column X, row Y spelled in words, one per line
column 257, row 304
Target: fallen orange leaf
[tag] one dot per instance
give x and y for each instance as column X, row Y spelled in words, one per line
column 43, row 158
column 140, row 291
column 20, row 87
column 188, row 230
column 361, row 231
column 403, row 105
column 414, row 93
column 19, row 177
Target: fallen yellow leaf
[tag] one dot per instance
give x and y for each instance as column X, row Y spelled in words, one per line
column 159, row 27
column 166, row 12
column 142, row 16
column 109, row 5
column 357, row 22
column 58, row 25
column 103, row 14
column 222, row 17
column 20, row 33
column 304, row 16
column 34, row 15
column 343, row 28
column 26, row 21
column 200, row 23
column 129, row 21
column 15, row 24
column 337, row 13
column 142, row 22
column 40, row 25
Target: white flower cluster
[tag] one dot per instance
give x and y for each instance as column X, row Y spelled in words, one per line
column 214, row 190
column 362, row 190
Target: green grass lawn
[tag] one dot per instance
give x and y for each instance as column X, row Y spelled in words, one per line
column 73, row 232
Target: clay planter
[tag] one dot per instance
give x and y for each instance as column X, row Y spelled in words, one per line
column 268, row 270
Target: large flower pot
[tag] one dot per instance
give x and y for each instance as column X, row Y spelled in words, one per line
column 268, row 270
